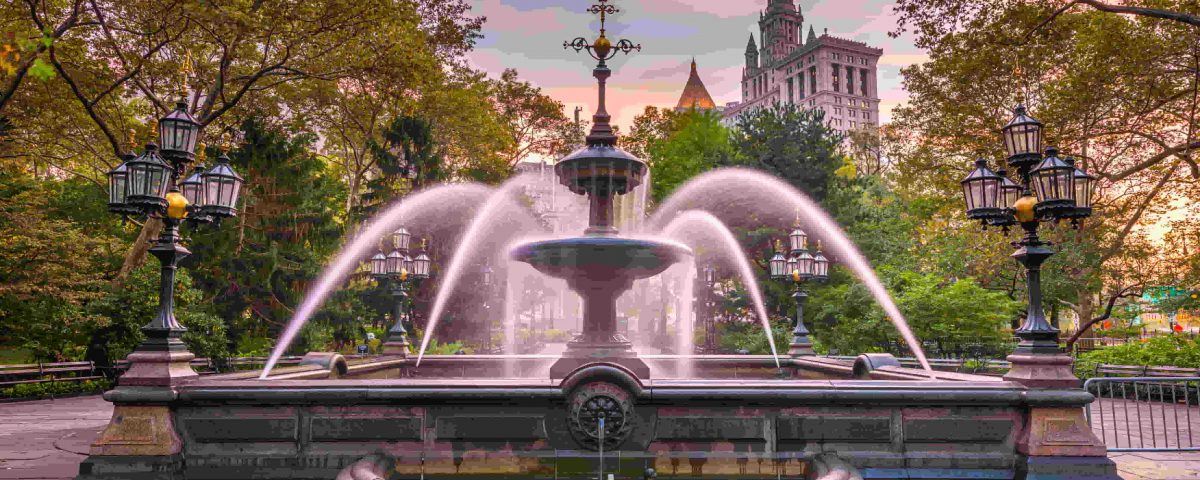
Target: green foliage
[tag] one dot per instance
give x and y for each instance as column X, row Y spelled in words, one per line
column 314, row 337
column 738, row 336
column 696, row 142
column 123, row 310
column 55, row 389
column 253, row 346
column 1164, row 350
column 791, row 142
column 847, row 318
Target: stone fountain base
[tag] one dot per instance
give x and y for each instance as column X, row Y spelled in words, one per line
column 612, row 349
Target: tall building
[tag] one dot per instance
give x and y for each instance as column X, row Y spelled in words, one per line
column 826, row 72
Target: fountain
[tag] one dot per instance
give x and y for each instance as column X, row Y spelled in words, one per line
column 600, row 408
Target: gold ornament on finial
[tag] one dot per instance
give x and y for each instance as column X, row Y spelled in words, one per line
column 602, row 49
column 132, row 139
column 778, row 245
column 226, row 144
column 200, row 152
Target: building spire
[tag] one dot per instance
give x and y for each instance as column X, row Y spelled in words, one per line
column 695, row 95
column 812, row 35
column 750, row 45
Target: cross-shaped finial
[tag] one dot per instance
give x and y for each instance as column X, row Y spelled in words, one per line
column 602, row 49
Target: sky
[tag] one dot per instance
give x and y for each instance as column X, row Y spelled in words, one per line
column 528, row 35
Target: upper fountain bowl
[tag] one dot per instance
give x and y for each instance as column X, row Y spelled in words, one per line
column 600, row 169
column 601, row 258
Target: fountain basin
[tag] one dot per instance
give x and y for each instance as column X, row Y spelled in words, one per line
column 428, row 423
column 601, row 258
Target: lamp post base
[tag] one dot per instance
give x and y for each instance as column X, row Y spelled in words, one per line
column 396, row 347
column 1042, row 371
column 800, row 347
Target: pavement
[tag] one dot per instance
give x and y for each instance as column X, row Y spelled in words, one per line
column 47, row 439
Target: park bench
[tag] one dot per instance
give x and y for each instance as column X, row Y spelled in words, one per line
column 47, row 372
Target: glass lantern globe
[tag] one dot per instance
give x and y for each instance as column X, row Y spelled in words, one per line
column 177, row 133
column 798, row 240
column 1054, row 184
column 981, row 190
column 792, row 267
column 221, row 188
column 778, row 266
column 395, row 262
column 118, row 188
column 193, row 187
column 1022, row 139
column 804, row 264
column 148, row 179
column 1084, row 187
column 820, row 267
column 421, row 266
column 487, row 275
column 400, row 239
column 1010, row 192
column 379, row 265
column 710, row 275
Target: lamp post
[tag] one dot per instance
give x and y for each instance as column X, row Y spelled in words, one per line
column 709, row 280
column 397, row 269
column 800, row 268
column 1049, row 189
column 148, row 185
column 487, row 276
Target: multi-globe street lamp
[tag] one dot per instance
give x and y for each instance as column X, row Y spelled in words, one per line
column 148, row 185
column 801, row 267
column 1049, row 189
column 397, row 269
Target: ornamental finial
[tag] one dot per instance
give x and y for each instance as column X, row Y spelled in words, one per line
column 602, row 49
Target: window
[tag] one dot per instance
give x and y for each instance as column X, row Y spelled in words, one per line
column 853, row 113
column 837, row 111
column 850, row 58
column 812, row 58
column 866, row 115
column 791, row 90
column 837, row 87
column 837, row 100
column 812, row 103
column 850, row 80
column 853, row 124
column 800, row 85
column 812, row 80
column 862, row 81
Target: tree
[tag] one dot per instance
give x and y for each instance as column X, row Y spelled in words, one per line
column 536, row 122
column 791, row 142
column 693, row 143
column 1118, row 93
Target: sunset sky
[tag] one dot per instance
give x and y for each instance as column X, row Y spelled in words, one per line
column 528, row 35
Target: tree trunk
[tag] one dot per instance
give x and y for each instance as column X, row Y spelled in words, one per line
column 137, row 252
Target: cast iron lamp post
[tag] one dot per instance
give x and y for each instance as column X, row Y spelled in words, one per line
column 800, row 268
column 397, row 269
column 148, row 185
column 1062, row 192
column 709, row 280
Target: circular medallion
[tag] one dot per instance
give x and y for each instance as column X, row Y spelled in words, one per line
column 600, row 413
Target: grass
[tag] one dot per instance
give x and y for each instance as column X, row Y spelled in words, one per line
column 10, row 355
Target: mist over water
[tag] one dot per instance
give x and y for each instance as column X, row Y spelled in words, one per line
column 749, row 197
column 704, row 233
column 422, row 208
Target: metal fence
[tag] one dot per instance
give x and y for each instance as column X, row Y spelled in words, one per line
column 1146, row 414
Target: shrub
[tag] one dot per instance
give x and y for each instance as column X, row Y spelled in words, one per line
column 55, row 389
column 1166, row 350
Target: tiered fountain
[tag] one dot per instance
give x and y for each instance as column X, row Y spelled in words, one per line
column 600, row 411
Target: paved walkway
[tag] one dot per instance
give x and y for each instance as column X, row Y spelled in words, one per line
column 47, row 439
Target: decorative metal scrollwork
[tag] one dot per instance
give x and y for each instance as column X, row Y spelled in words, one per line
column 597, row 403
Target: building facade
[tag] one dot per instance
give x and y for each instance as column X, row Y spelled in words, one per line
column 818, row 72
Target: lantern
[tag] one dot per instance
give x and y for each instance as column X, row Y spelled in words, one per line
column 379, row 265
column 148, row 179
column 487, row 275
column 1054, row 183
column 1010, row 192
column 981, row 190
column 1022, row 139
column 710, row 275
column 792, row 267
column 798, row 240
column 820, row 267
column 118, row 188
column 1084, row 186
column 178, row 131
column 400, row 239
column 193, row 187
column 804, row 264
column 778, row 266
column 421, row 266
column 395, row 262
column 221, row 188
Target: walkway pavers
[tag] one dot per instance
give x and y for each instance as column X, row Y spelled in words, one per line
column 47, row 439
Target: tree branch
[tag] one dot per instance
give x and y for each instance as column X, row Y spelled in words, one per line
column 1112, row 300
